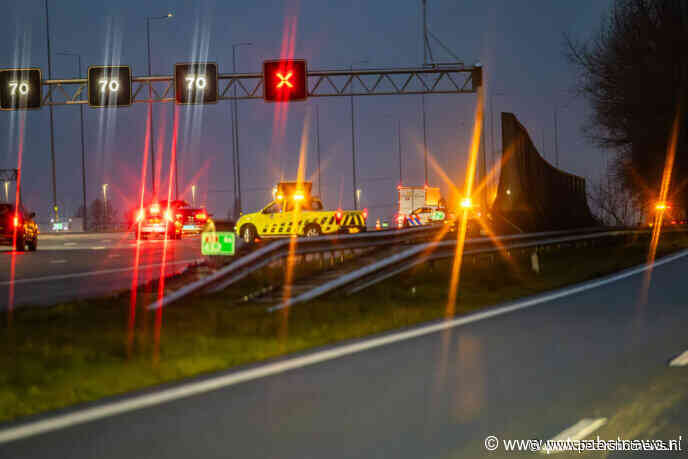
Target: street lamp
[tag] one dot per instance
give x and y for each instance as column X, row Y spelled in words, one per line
column 150, row 97
column 7, row 191
column 353, row 131
column 83, row 149
column 235, row 132
column 193, row 195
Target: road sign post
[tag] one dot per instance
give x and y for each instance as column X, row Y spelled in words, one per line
column 218, row 243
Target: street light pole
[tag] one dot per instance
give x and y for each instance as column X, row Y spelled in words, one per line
column 425, row 141
column 150, row 102
column 353, row 136
column 50, row 97
column 83, row 148
column 237, row 206
column 401, row 180
column 317, row 147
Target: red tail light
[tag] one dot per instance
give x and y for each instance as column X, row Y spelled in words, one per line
column 338, row 215
column 365, row 214
column 201, row 216
column 17, row 221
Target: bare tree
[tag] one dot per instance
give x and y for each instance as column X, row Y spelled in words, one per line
column 634, row 73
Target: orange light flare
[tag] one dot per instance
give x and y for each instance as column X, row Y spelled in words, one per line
column 293, row 241
column 662, row 203
column 17, row 197
column 172, row 222
column 460, row 241
column 468, row 191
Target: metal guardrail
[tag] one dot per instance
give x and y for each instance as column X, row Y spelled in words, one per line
column 422, row 253
column 280, row 249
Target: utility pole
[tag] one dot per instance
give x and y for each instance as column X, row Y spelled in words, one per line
column 50, row 98
column 150, row 103
column 353, row 135
column 353, row 148
column 401, row 177
column 425, row 141
column 237, row 206
column 83, row 149
column 317, row 147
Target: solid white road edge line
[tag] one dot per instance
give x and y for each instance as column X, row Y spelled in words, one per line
column 680, row 361
column 96, row 273
column 576, row 432
column 217, row 382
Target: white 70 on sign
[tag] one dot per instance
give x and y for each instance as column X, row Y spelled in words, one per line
column 23, row 88
column 199, row 81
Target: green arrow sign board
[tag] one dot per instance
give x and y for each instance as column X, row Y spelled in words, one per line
column 214, row 243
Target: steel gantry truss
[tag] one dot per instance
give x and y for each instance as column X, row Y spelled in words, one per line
column 450, row 79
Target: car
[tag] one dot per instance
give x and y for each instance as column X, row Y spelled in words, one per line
column 157, row 219
column 295, row 212
column 17, row 228
column 193, row 219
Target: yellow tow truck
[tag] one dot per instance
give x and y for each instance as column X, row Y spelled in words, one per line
column 294, row 211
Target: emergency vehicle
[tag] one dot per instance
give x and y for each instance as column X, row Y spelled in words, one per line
column 419, row 205
column 294, row 211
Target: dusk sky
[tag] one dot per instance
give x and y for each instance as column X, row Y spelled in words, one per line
column 519, row 43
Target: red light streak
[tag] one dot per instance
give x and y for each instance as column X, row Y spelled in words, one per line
column 135, row 274
column 10, row 299
column 161, row 280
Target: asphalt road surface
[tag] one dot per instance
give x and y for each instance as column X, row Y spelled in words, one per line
column 68, row 266
column 526, row 374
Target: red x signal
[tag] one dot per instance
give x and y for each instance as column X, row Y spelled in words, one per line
column 284, row 80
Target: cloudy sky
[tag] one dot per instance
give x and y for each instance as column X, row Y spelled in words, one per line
column 519, row 43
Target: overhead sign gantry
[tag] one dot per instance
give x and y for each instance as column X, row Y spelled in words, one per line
column 282, row 80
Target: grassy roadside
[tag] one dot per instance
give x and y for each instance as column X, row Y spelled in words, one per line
column 83, row 351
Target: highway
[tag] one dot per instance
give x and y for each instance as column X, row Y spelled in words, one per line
column 68, row 266
column 525, row 370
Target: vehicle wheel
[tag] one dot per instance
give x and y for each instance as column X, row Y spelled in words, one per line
column 248, row 234
column 33, row 245
column 20, row 243
column 312, row 230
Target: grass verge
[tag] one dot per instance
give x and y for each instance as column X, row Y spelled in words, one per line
column 82, row 351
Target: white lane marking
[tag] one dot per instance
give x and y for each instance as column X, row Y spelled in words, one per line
column 96, row 273
column 98, row 247
column 62, row 260
column 218, row 382
column 576, row 432
column 680, row 361
column 70, row 243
